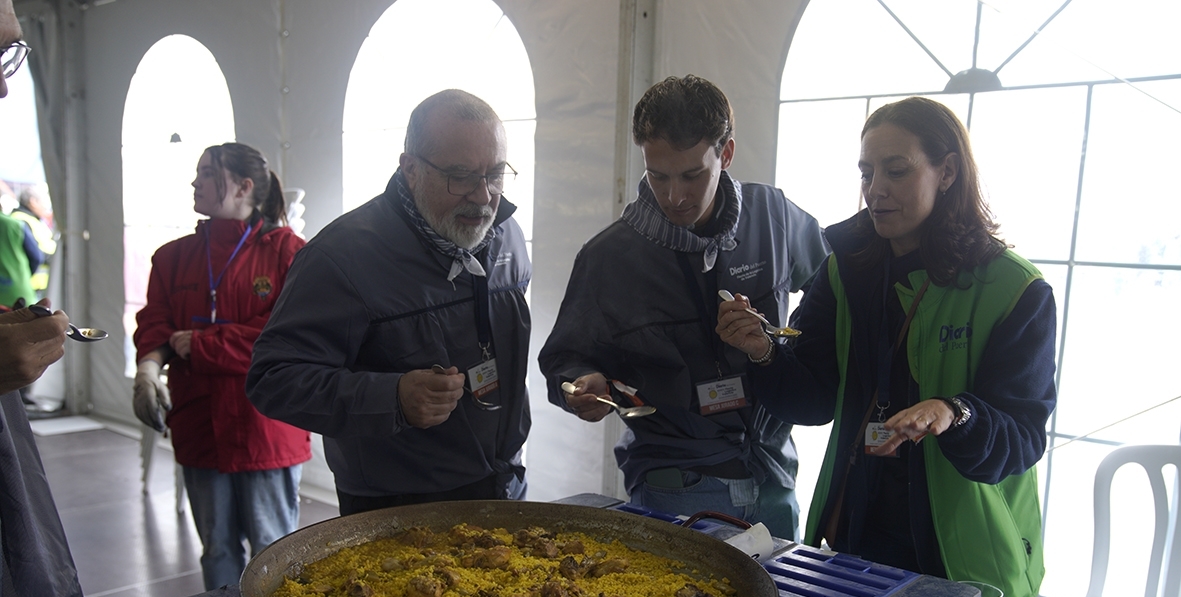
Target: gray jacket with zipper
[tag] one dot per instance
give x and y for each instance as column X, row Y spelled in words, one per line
column 629, row 314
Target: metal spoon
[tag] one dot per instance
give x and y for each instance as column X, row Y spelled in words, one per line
column 784, row 332
column 627, row 412
column 479, row 403
column 75, row 332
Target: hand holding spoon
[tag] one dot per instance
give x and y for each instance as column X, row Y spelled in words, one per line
column 480, row 404
column 627, row 412
column 783, row 332
column 75, row 332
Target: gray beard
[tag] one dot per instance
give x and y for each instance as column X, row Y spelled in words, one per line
column 447, row 226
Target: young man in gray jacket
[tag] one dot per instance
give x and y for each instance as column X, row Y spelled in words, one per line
column 400, row 313
column 641, row 306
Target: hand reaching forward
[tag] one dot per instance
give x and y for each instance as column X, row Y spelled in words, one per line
column 427, row 397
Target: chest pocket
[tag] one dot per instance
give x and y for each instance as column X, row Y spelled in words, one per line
column 420, row 339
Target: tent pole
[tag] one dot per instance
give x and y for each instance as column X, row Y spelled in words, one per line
column 637, row 32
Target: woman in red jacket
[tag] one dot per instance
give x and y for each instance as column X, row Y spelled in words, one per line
column 209, row 296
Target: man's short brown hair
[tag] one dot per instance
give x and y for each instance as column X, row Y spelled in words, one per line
column 684, row 111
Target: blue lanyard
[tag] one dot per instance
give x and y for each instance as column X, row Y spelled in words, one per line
column 213, row 284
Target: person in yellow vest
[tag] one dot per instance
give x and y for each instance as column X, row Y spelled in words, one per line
column 36, row 211
column 923, row 325
column 19, row 258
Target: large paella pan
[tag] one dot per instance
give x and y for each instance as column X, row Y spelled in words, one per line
column 696, row 551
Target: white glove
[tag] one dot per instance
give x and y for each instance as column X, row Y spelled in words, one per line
column 150, row 398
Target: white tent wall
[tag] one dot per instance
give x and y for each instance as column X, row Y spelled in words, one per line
column 308, row 48
column 739, row 46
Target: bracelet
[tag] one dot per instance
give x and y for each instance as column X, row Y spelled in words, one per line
column 766, row 358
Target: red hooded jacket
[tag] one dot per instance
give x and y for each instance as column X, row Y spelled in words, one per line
column 213, row 424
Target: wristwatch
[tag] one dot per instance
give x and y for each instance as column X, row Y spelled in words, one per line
column 960, row 409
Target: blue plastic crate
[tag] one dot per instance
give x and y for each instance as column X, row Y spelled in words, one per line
column 804, row 571
column 808, row 572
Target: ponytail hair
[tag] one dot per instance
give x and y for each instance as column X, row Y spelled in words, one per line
column 242, row 161
column 274, row 206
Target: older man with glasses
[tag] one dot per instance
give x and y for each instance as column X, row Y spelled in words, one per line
column 35, row 556
column 402, row 335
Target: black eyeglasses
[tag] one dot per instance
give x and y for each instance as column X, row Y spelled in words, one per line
column 466, row 184
column 12, row 57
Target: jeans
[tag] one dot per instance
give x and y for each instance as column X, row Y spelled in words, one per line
column 770, row 504
column 254, row 506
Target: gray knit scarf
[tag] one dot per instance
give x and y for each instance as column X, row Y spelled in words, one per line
column 644, row 214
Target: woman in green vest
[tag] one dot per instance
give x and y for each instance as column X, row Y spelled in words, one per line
column 923, row 325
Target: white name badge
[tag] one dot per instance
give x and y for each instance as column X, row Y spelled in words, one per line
column 721, row 395
column 876, row 435
column 483, row 378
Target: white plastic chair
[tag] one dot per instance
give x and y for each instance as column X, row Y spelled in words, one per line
column 1168, row 524
column 147, row 448
column 293, row 196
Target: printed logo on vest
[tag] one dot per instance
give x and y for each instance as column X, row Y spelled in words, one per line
column 262, row 286
column 954, row 338
column 747, row 271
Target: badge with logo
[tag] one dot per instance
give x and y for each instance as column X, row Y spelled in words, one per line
column 483, row 378
column 876, row 435
column 721, row 395
column 262, row 286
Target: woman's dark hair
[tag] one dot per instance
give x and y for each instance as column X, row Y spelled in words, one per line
column 241, row 162
column 684, row 111
column 960, row 233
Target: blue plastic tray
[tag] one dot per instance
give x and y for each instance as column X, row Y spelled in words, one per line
column 809, row 572
column 804, row 571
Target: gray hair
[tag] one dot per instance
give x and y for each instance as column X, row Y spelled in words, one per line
column 458, row 103
column 31, row 194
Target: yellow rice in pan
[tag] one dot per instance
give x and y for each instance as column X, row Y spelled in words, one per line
column 467, row 561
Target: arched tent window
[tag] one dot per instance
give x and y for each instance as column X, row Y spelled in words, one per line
column 1074, row 108
column 394, row 71
column 177, row 105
